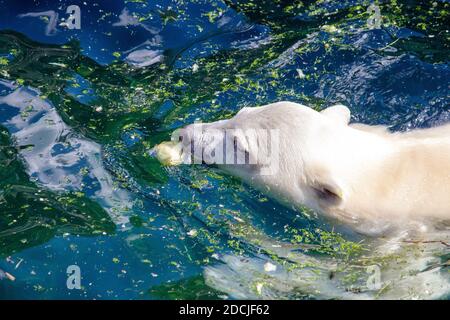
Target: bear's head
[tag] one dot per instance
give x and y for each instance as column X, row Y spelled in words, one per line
column 284, row 149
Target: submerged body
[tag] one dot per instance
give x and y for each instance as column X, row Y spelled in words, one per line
column 362, row 176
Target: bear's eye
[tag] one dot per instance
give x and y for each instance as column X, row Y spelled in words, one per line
column 327, row 195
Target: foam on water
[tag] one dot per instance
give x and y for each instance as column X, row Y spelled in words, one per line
column 407, row 271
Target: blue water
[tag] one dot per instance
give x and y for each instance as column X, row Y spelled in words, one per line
column 121, row 85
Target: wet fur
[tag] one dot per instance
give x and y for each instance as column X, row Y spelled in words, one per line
column 362, row 176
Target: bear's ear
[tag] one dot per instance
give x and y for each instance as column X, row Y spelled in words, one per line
column 338, row 112
column 326, row 188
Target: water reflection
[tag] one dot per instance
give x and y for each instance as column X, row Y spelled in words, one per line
column 82, row 108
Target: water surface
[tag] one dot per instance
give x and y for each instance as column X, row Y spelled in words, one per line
column 80, row 110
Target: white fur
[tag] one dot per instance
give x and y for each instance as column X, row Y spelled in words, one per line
column 360, row 175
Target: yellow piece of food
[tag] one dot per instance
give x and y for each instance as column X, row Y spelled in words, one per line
column 169, row 153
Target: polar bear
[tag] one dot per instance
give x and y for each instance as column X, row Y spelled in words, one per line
column 358, row 175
